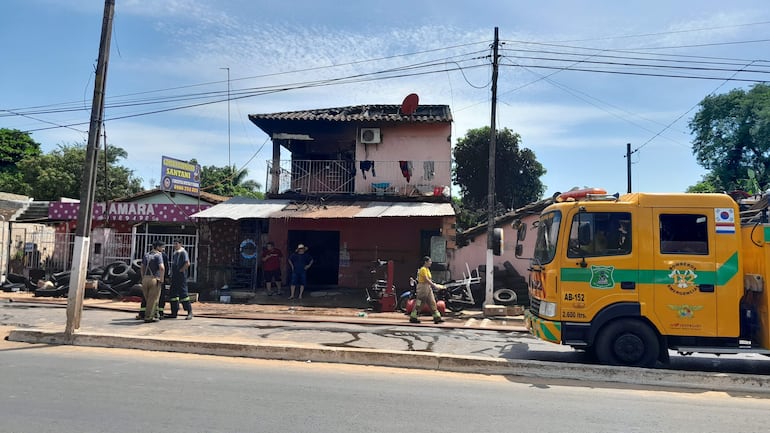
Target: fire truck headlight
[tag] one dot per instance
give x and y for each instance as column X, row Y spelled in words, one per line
column 547, row 309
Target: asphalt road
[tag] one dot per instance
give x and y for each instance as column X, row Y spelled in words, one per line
column 68, row 389
column 458, row 341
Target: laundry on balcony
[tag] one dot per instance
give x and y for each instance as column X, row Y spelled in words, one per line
column 428, row 169
column 381, row 188
column 366, row 166
column 406, row 169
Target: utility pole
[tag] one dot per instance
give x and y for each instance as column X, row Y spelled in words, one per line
column 628, row 166
column 88, row 185
column 488, row 298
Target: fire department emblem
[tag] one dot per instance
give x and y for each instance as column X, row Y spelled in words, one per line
column 682, row 279
column 602, row 277
column 685, row 311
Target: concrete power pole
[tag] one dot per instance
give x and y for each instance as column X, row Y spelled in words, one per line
column 88, row 186
column 488, row 298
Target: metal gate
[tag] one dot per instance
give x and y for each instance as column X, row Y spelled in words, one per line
column 143, row 241
column 35, row 246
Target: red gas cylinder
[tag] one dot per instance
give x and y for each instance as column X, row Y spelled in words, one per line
column 425, row 308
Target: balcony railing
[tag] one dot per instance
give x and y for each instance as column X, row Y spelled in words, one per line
column 326, row 177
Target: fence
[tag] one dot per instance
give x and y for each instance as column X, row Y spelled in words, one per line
column 143, row 241
column 400, row 178
column 40, row 247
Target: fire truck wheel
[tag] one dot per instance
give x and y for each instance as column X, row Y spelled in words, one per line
column 627, row 342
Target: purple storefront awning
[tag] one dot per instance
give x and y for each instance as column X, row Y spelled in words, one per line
column 123, row 211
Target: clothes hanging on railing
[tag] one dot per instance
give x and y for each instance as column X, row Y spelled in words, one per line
column 428, row 169
column 366, row 166
column 406, row 169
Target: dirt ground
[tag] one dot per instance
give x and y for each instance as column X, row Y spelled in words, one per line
column 316, row 304
column 333, row 303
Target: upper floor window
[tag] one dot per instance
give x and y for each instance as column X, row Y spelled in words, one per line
column 684, row 234
column 594, row 234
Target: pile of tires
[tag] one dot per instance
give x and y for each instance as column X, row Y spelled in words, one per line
column 14, row 283
column 113, row 281
column 119, row 279
column 58, row 287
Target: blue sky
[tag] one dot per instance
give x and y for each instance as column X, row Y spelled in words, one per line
column 576, row 122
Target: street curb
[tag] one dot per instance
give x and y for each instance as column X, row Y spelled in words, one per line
column 402, row 359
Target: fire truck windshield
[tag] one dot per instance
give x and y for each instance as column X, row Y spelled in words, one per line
column 547, row 237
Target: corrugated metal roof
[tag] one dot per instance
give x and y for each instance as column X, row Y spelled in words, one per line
column 363, row 113
column 241, row 207
column 394, row 209
column 318, row 210
column 249, row 208
column 205, row 196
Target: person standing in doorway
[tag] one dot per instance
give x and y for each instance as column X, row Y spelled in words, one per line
column 180, row 263
column 153, row 275
column 425, row 287
column 299, row 262
column 271, row 268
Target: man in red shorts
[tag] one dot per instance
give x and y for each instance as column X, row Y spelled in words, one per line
column 271, row 268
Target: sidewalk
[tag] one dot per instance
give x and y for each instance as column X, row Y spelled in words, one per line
column 315, row 307
column 312, row 333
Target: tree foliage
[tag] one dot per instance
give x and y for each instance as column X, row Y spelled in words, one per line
column 228, row 182
column 59, row 173
column 732, row 140
column 15, row 145
column 517, row 174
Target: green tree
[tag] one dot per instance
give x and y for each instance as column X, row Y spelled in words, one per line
column 732, row 140
column 228, row 182
column 15, row 145
column 59, row 174
column 517, row 174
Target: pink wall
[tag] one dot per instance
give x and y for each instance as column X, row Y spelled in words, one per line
column 417, row 143
column 475, row 253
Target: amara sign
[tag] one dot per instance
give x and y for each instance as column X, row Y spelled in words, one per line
column 123, row 211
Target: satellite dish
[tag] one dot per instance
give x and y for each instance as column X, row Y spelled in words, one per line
column 409, row 106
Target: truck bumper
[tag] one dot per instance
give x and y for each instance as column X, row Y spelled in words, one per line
column 543, row 329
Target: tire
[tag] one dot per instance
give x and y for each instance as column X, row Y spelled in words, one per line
column 135, row 290
column 118, row 269
column 61, row 277
column 16, row 279
column 122, row 286
column 455, row 307
column 13, row 287
column 505, row 297
column 627, row 342
column 133, row 276
column 55, row 292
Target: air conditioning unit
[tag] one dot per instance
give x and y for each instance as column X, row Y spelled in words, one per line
column 370, row 135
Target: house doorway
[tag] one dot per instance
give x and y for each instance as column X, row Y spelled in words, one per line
column 324, row 247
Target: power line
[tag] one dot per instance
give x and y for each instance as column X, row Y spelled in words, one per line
column 670, row 32
column 682, row 115
column 585, row 98
column 646, row 74
column 338, row 81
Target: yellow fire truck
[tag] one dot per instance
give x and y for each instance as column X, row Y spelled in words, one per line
column 628, row 278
